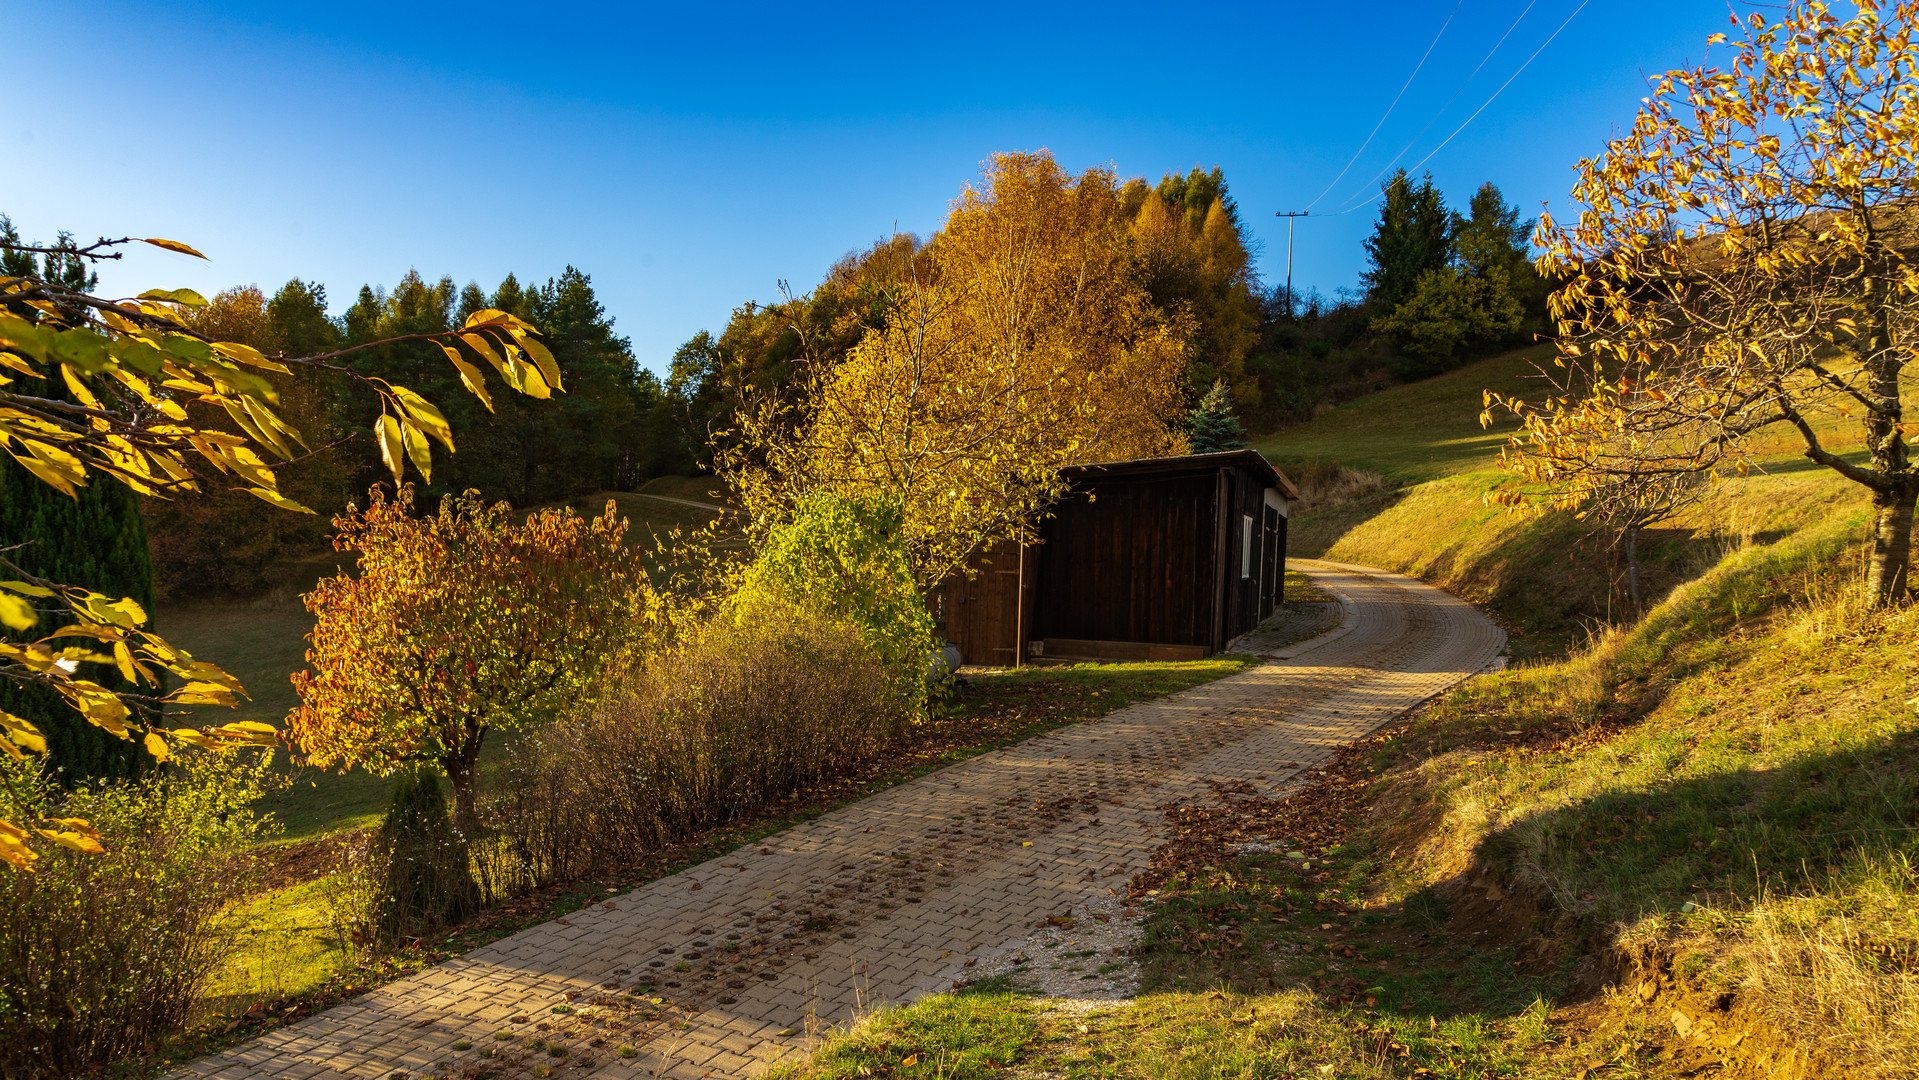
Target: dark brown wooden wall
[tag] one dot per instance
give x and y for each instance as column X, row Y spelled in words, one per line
column 1134, row 562
column 1146, row 559
column 980, row 614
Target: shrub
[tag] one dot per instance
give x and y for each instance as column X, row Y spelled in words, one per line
column 419, row 864
column 102, row 954
column 735, row 716
column 845, row 557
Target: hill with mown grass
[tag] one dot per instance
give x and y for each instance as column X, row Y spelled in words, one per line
column 1671, row 846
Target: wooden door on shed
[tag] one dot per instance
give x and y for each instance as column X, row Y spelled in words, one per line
column 980, row 614
column 1275, row 570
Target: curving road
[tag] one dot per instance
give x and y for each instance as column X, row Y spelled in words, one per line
column 892, row 897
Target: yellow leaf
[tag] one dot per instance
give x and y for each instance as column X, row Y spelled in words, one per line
column 473, row 377
column 25, row 589
column 13, row 846
column 426, row 415
column 157, row 746
column 77, row 841
column 247, row 354
column 246, row 733
column 479, row 344
column 53, row 466
column 175, row 296
column 123, row 659
column 23, row 733
column 538, row 351
column 417, row 450
column 172, row 245
column 392, row 445
column 910, row 1060
column 278, row 500
column 17, row 613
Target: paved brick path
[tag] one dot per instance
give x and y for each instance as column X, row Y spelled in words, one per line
column 887, row 899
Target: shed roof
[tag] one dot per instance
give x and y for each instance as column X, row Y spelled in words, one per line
column 1245, row 459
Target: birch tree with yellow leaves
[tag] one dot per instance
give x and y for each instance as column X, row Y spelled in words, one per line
column 1742, row 260
column 128, row 368
column 1028, row 346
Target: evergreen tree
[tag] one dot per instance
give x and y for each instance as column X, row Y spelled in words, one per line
column 96, row 540
column 1493, row 239
column 1211, row 427
column 1414, row 237
column 577, row 440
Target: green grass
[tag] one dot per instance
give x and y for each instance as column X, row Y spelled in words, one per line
column 1301, row 589
column 973, row 1035
column 1417, row 432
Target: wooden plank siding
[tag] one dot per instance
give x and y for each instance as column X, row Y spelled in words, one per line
column 981, row 613
column 1129, row 559
column 1168, row 558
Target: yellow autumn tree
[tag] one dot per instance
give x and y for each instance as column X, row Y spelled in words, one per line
column 1742, row 260
column 1028, row 346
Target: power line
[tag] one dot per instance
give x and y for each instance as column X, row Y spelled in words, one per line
column 1410, row 143
column 1489, row 101
column 1389, row 109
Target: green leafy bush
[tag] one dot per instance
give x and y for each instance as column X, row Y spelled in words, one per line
column 102, row 954
column 844, row 558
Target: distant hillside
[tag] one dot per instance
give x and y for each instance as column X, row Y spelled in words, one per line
column 1550, row 578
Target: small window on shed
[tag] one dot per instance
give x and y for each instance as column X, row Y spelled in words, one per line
column 1245, row 545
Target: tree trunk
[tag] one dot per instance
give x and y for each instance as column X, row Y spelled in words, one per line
column 1632, row 571
column 462, row 769
column 1891, row 545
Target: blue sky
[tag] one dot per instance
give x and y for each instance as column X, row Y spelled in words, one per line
column 690, row 158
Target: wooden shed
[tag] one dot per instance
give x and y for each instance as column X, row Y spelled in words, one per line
column 1156, row 559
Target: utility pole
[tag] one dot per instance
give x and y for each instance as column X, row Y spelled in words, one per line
column 1289, row 215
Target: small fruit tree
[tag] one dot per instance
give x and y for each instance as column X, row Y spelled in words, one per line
column 459, row 622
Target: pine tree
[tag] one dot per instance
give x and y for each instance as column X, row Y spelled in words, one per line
column 1414, row 236
column 96, row 541
column 1211, row 427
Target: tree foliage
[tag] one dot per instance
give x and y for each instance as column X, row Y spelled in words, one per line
column 1741, row 260
column 130, row 368
column 1413, row 238
column 1191, row 254
column 1211, row 427
column 457, row 623
column 844, row 558
column 96, row 537
column 1031, row 347
column 759, row 362
column 225, row 540
column 1480, row 291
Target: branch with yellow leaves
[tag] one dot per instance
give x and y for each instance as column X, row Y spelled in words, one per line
column 132, row 365
column 100, row 629
column 129, row 368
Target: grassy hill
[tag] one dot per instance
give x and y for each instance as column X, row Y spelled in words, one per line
column 1677, row 846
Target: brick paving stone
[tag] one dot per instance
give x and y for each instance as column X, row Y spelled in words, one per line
column 883, row 901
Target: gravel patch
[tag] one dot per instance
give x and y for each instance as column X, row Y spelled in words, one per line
column 1086, row 957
